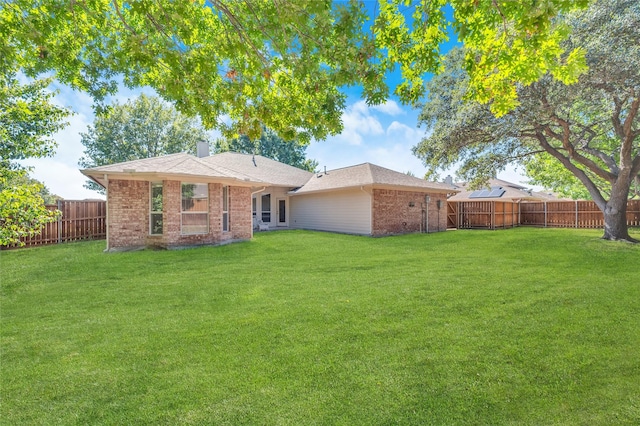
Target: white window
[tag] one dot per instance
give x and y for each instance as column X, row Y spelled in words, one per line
column 195, row 208
column 225, row 208
column 266, row 208
column 155, row 209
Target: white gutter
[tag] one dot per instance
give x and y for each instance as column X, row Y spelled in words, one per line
column 252, row 194
column 258, row 191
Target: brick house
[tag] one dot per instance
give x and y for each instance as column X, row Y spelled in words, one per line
column 181, row 200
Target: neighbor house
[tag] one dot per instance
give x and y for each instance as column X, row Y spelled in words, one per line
column 183, row 200
column 492, row 207
column 499, row 190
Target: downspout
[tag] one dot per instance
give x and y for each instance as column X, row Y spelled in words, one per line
column 252, row 194
column 258, row 191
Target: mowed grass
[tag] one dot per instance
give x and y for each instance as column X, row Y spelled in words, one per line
column 523, row 326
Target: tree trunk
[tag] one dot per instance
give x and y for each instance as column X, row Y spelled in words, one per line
column 615, row 215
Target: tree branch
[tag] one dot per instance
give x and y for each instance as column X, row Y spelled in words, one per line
column 615, row 117
column 237, row 25
column 573, row 153
column 117, row 8
column 580, row 174
column 627, row 140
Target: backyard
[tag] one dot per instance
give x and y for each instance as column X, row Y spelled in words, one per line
column 521, row 326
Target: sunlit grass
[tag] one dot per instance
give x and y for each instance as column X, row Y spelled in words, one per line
column 524, row 326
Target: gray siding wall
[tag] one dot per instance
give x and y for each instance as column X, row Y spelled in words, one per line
column 346, row 211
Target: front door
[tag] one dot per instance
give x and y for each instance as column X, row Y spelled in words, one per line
column 282, row 212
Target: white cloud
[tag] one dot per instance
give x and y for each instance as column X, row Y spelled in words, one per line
column 410, row 135
column 359, row 122
column 390, row 108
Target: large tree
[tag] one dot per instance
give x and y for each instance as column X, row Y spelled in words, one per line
column 544, row 170
column 28, row 120
column 591, row 128
column 140, row 128
column 272, row 146
column 282, row 63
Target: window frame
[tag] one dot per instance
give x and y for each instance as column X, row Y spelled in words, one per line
column 152, row 212
column 183, row 212
column 262, row 208
column 225, row 209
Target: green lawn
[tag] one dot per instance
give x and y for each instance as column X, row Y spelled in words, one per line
column 523, row 326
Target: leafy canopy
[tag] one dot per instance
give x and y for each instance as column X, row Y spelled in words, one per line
column 141, row 128
column 591, row 128
column 283, row 63
column 28, row 121
column 22, row 179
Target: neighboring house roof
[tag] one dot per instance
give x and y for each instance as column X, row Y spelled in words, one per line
column 546, row 196
column 260, row 168
column 368, row 175
column 498, row 190
column 174, row 165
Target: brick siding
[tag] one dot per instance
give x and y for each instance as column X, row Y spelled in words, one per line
column 128, row 209
column 127, row 213
column 240, row 215
column 393, row 213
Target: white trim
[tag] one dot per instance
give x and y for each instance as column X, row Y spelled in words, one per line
column 151, row 212
column 286, row 211
column 227, row 199
column 182, row 213
column 263, row 211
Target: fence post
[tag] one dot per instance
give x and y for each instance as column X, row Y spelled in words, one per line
column 576, row 213
column 60, row 221
column 492, row 206
column 545, row 214
column 504, row 215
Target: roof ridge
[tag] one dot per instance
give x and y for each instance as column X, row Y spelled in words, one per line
column 370, row 171
column 226, row 170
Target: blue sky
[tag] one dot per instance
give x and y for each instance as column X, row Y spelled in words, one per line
column 382, row 135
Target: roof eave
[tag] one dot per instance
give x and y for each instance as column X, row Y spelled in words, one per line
column 379, row 186
column 96, row 175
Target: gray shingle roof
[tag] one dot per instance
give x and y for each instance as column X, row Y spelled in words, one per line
column 174, row 164
column 260, row 168
column 368, row 174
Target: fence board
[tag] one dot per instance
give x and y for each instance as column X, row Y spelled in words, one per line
column 571, row 214
column 559, row 214
column 81, row 220
column 485, row 214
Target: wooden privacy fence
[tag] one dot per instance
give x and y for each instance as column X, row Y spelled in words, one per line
column 483, row 215
column 506, row 214
column 80, row 220
column 571, row 214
